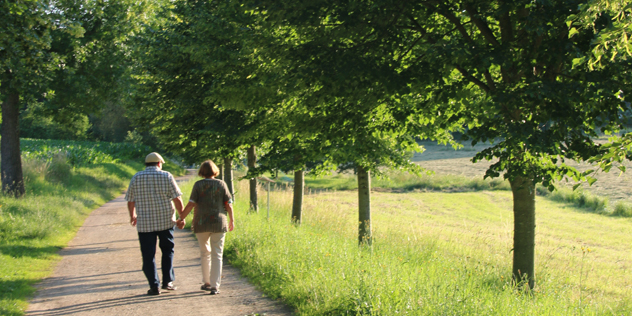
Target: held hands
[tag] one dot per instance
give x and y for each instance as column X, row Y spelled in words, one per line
column 180, row 223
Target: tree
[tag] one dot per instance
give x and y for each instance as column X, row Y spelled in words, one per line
column 176, row 91
column 288, row 154
column 252, row 161
column 25, row 60
column 512, row 70
column 334, row 133
column 68, row 55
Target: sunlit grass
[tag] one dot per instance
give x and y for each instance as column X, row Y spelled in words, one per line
column 434, row 254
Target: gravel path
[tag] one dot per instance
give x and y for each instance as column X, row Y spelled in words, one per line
column 100, row 274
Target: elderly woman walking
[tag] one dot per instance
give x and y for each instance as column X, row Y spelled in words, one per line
column 212, row 202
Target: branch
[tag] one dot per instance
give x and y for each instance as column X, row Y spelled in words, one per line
column 454, row 20
column 475, row 80
column 418, row 26
column 410, row 48
column 490, row 80
column 506, row 28
column 482, row 26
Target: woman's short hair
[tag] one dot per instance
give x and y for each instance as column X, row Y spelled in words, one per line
column 208, row 169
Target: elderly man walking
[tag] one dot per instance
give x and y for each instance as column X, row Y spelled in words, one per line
column 149, row 201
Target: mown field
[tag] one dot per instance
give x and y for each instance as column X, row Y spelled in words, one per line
column 64, row 181
column 444, row 160
column 435, row 253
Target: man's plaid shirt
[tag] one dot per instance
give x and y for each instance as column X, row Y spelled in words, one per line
column 152, row 191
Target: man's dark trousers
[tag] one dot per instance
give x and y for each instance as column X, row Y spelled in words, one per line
column 148, row 250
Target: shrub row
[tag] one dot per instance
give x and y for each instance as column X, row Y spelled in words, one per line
column 81, row 153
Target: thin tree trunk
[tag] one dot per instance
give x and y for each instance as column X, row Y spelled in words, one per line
column 221, row 172
column 299, row 189
column 524, row 231
column 364, row 202
column 10, row 156
column 252, row 160
column 228, row 175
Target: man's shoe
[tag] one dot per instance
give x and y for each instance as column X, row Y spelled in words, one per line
column 153, row 291
column 214, row 291
column 169, row 286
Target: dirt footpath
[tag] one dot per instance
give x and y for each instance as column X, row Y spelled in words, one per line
column 100, row 274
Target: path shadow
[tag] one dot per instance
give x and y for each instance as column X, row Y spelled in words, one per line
column 82, row 250
column 100, row 275
column 100, row 306
column 77, row 288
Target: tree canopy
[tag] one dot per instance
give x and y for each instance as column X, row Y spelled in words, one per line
column 68, row 55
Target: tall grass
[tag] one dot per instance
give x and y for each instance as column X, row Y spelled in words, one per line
column 404, row 181
column 588, row 202
column 433, row 254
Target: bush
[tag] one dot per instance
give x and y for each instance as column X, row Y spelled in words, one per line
column 404, row 181
column 82, row 153
column 579, row 198
column 59, row 170
column 622, row 209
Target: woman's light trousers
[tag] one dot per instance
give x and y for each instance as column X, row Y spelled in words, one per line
column 211, row 253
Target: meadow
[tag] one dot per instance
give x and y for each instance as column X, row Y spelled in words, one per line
column 442, row 242
column 434, row 253
column 64, row 182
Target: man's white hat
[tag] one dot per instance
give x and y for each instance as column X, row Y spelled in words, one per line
column 154, row 157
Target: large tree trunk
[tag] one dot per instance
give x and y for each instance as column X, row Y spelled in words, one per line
column 252, row 160
column 364, row 202
column 523, row 191
column 299, row 189
column 220, row 176
column 228, row 175
column 10, row 156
